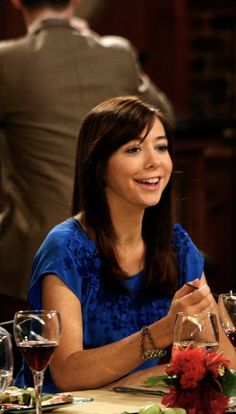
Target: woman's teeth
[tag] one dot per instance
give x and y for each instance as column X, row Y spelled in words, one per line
column 150, row 181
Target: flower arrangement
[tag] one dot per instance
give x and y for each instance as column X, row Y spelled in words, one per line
column 200, row 380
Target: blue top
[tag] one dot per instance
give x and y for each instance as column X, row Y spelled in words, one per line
column 107, row 317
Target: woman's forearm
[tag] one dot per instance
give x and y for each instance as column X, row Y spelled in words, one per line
column 97, row 367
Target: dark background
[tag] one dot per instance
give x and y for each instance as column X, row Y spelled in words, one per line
column 188, row 49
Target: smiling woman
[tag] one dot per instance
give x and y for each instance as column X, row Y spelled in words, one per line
column 121, row 263
column 138, row 172
column 118, row 149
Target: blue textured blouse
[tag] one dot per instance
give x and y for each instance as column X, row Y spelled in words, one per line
column 107, row 317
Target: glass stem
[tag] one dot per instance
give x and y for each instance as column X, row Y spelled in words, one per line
column 38, row 383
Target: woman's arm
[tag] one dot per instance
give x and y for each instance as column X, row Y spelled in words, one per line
column 74, row 368
column 139, row 377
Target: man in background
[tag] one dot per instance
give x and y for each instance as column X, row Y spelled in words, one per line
column 50, row 79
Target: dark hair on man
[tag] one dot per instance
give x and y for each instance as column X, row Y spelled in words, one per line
column 107, row 127
column 38, row 4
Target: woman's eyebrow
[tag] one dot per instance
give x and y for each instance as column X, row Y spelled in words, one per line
column 157, row 138
column 161, row 137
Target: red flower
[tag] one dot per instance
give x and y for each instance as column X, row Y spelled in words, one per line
column 194, row 371
column 215, row 361
column 189, row 366
column 200, row 400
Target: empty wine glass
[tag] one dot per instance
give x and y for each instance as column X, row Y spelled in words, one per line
column 37, row 334
column 227, row 311
column 6, row 359
column 201, row 329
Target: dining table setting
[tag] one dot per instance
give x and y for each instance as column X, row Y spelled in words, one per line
column 108, row 401
column 198, row 378
column 141, row 399
column 145, row 398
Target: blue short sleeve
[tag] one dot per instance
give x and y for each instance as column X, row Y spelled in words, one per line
column 63, row 253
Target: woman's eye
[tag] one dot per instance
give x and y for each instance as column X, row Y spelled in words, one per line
column 133, row 150
column 162, row 148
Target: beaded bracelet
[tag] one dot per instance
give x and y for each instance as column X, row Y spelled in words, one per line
column 152, row 353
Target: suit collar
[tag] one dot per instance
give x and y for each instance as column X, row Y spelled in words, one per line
column 48, row 22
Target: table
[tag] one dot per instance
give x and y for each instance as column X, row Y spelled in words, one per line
column 108, row 402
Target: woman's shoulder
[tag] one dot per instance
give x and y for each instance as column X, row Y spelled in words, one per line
column 181, row 237
column 183, row 245
column 67, row 233
column 68, row 253
column 65, row 228
column 66, row 241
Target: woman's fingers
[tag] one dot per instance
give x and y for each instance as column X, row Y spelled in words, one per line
column 192, row 301
column 187, row 288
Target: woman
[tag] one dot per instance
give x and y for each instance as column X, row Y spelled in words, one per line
column 117, row 270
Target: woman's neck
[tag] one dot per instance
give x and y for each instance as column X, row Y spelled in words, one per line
column 129, row 244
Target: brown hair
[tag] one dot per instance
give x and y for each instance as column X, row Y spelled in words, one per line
column 107, row 127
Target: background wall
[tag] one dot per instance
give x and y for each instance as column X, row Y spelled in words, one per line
column 188, row 49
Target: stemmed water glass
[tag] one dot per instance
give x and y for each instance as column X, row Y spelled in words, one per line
column 227, row 311
column 201, row 329
column 37, row 334
column 6, row 359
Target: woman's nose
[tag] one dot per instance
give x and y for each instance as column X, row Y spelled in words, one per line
column 152, row 159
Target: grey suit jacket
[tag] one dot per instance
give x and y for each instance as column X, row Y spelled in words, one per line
column 49, row 79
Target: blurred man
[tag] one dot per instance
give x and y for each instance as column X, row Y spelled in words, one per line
column 49, row 79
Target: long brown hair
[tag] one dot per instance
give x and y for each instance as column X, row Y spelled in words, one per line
column 107, row 127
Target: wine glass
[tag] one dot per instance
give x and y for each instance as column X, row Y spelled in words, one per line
column 227, row 311
column 37, row 334
column 6, row 359
column 201, row 329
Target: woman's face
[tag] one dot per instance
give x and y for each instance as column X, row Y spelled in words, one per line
column 138, row 171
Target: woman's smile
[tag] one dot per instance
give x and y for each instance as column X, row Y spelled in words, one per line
column 149, row 183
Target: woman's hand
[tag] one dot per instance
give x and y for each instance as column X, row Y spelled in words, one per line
column 190, row 300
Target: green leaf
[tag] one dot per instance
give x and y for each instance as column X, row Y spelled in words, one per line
column 155, row 380
column 162, row 379
column 229, row 383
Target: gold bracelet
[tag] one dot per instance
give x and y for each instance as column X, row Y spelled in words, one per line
column 152, row 353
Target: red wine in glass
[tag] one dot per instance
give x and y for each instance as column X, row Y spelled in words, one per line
column 37, row 354
column 37, row 334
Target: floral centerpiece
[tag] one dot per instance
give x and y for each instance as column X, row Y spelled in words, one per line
column 200, row 381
